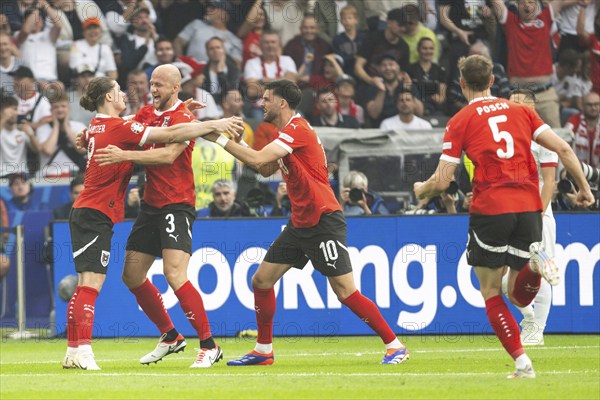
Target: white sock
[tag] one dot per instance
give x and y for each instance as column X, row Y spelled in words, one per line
column 542, row 304
column 394, row 344
column 263, row 348
column 522, row 361
column 505, row 285
column 72, row 351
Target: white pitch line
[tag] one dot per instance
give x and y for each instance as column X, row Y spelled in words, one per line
column 328, row 354
column 295, row 374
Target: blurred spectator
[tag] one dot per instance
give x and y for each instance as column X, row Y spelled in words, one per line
column 59, row 155
column 328, row 76
column 388, row 41
column 137, row 90
column 307, row 49
column 327, row 105
column 38, row 45
column 455, row 99
column 242, row 15
column 33, row 106
column 195, row 34
column 221, row 73
column 429, row 78
column 75, row 188
column 163, row 50
column 356, row 199
column 21, row 190
column 264, row 134
column 285, row 17
column 9, row 62
column 4, row 259
column 14, row 139
column 567, row 24
column 232, row 104
column 466, row 21
column 345, row 91
column 406, row 119
column 119, row 13
column 15, row 12
column 137, row 48
column 84, row 74
column 90, row 51
column 330, row 15
column 211, row 163
column 592, row 41
column 382, row 95
column 72, row 14
column 271, row 65
column 528, row 33
column 191, row 87
column 569, row 83
column 224, row 203
column 585, row 128
column 177, row 13
column 347, row 43
column 257, row 24
column 133, row 203
column 415, row 31
column 283, row 208
column 4, row 25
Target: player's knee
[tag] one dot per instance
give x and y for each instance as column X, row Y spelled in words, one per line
column 175, row 277
column 131, row 280
column 259, row 281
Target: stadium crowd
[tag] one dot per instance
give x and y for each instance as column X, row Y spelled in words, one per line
column 360, row 64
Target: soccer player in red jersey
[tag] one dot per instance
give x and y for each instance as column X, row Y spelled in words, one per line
column 101, row 204
column 506, row 212
column 163, row 227
column 317, row 230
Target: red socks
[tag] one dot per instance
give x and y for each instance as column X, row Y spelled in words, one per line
column 193, row 307
column 264, row 304
column 149, row 298
column 83, row 312
column 366, row 310
column 71, row 330
column 505, row 326
column 526, row 286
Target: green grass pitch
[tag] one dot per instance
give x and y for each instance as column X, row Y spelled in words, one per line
column 459, row 367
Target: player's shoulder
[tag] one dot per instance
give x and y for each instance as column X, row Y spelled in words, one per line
column 181, row 111
column 144, row 113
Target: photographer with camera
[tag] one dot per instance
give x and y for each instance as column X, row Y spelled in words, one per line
column 283, row 207
column 356, row 198
column 566, row 196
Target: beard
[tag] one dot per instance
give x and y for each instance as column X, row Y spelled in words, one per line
column 269, row 117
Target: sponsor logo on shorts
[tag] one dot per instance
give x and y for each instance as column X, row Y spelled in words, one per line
column 104, row 258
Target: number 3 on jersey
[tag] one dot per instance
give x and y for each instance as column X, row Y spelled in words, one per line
column 502, row 135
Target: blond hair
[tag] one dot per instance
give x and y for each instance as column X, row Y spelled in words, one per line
column 476, row 71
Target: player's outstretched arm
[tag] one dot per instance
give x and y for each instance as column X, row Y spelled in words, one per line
column 161, row 156
column 438, row 182
column 191, row 130
column 264, row 161
column 550, row 140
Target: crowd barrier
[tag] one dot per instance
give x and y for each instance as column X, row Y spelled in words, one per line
column 413, row 267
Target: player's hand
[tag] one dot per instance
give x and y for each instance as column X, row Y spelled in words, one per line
column 109, row 155
column 80, row 140
column 584, row 198
column 211, row 137
column 232, row 125
column 419, row 188
column 193, row 105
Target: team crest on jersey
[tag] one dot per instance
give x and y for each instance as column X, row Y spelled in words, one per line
column 137, row 128
column 104, row 258
column 166, row 122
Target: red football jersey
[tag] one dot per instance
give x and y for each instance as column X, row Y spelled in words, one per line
column 496, row 135
column 305, row 173
column 530, row 52
column 169, row 184
column 105, row 187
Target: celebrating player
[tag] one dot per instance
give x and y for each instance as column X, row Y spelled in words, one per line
column 163, row 227
column 536, row 314
column 317, row 230
column 506, row 210
column 101, row 204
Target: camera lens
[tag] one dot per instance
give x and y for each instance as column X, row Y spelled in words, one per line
column 355, row 195
column 565, row 186
column 452, row 188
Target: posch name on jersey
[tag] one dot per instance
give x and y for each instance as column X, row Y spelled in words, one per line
column 97, row 129
column 492, row 107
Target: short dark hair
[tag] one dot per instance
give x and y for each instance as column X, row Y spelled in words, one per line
column 528, row 93
column 404, row 15
column 214, row 38
column 287, row 90
column 8, row 101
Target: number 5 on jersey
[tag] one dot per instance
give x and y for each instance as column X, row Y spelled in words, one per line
column 502, row 135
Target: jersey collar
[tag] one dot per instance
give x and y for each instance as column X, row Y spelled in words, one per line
column 293, row 117
column 476, row 99
column 100, row 115
column 159, row 113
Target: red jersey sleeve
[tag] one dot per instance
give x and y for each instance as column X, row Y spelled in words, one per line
column 294, row 135
column 453, row 142
column 133, row 133
column 537, row 124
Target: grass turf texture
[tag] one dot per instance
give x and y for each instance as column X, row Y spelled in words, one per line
column 465, row 367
